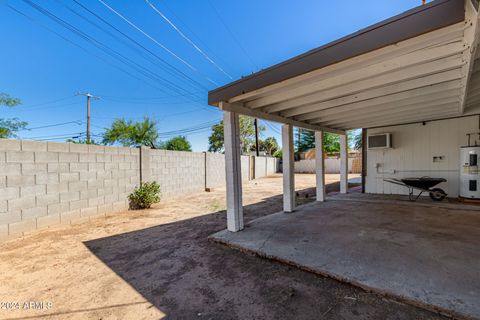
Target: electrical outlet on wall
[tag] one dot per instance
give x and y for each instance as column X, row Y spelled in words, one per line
column 438, row 158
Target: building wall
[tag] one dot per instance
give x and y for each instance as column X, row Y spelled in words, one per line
column 414, row 147
column 45, row 183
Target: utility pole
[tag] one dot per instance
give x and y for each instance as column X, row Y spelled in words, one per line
column 255, row 123
column 89, row 96
column 298, row 140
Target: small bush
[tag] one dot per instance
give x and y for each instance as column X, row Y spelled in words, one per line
column 143, row 197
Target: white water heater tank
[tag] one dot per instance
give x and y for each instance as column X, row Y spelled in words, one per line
column 469, row 173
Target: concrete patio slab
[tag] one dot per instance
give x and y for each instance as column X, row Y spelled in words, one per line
column 425, row 255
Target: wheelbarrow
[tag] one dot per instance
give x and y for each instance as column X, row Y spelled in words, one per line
column 423, row 184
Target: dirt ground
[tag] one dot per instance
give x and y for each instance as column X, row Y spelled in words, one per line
column 158, row 264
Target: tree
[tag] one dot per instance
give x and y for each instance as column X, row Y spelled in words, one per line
column 331, row 141
column 278, row 153
column 306, row 141
column 270, row 145
column 81, row 141
column 9, row 127
column 179, row 143
column 6, row 100
column 247, row 135
column 216, row 140
column 132, row 134
column 355, row 139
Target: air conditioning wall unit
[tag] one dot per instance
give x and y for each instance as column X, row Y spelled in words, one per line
column 379, row 141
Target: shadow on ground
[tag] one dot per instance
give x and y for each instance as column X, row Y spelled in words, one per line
column 184, row 275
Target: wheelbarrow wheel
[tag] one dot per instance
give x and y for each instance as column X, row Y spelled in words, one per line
column 437, row 194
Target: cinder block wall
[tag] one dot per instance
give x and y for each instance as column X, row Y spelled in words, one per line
column 245, row 168
column 46, row 183
column 272, row 165
column 332, row 165
column 215, row 170
column 177, row 172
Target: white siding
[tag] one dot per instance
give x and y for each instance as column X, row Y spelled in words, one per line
column 414, row 147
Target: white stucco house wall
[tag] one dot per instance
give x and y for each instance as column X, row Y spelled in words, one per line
column 420, row 149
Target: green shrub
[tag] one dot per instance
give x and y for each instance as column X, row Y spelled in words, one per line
column 143, row 197
column 278, row 154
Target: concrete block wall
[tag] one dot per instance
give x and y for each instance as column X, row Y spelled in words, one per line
column 332, row 165
column 245, row 162
column 48, row 183
column 272, row 165
column 177, row 172
column 180, row 173
column 43, row 184
column 215, row 170
column 260, row 166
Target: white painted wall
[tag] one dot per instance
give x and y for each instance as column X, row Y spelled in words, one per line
column 414, row 147
column 332, row 165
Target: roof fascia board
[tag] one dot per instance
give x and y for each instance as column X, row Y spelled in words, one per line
column 238, row 108
column 410, row 24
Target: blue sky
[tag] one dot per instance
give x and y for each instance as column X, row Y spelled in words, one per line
column 45, row 64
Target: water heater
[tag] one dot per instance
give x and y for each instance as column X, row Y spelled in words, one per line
column 469, row 173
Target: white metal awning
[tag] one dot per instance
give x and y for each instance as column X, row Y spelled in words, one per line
column 430, row 76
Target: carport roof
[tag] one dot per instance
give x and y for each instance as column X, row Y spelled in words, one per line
column 430, row 47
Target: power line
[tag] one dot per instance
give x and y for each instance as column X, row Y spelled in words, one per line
column 185, row 96
column 149, row 102
column 51, row 107
column 78, row 122
column 113, row 53
column 180, row 113
column 142, row 98
column 57, row 138
column 186, row 133
column 272, row 127
column 199, row 127
column 147, row 35
column 177, row 17
column 97, row 56
column 166, row 66
column 49, row 102
column 80, row 47
column 235, row 39
column 68, row 135
column 98, row 45
column 188, row 39
column 155, row 41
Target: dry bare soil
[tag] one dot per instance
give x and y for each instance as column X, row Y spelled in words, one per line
column 158, row 263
